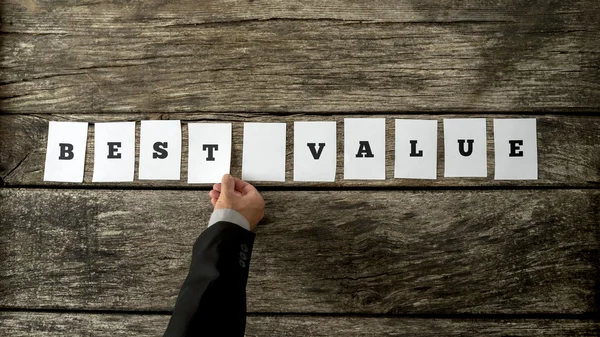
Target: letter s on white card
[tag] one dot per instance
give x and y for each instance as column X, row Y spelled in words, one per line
column 160, row 150
column 65, row 151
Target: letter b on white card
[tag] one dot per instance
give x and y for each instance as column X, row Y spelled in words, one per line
column 114, row 151
column 315, row 152
column 465, row 147
column 364, row 148
column 65, row 153
column 264, row 152
column 416, row 149
column 515, row 149
column 160, row 150
column 209, row 152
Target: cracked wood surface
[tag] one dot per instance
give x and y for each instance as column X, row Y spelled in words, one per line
column 25, row 324
column 279, row 56
column 568, row 150
column 370, row 252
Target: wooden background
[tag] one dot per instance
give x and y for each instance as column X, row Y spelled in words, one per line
column 450, row 257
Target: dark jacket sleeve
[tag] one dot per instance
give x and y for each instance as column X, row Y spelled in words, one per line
column 212, row 300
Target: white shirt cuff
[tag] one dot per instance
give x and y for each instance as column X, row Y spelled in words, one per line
column 229, row 215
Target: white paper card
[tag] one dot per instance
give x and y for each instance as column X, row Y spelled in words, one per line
column 416, row 149
column 364, row 148
column 264, row 152
column 515, row 147
column 65, row 152
column 209, row 155
column 315, row 153
column 465, row 147
column 114, row 151
column 160, row 150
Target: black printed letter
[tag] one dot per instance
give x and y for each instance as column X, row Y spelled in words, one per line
column 316, row 154
column 413, row 149
column 160, row 153
column 210, row 148
column 365, row 149
column 112, row 150
column 66, row 151
column 461, row 147
column 514, row 147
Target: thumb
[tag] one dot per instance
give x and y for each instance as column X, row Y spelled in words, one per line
column 227, row 185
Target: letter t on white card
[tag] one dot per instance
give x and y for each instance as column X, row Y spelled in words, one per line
column 65, row 152
column 416, row 149
column 315, row 155
column 465, row 147
column 364, row 148
column 209, row 152
column 160, row 150
column 264, row 152
column 515, row 149
column 114, row 151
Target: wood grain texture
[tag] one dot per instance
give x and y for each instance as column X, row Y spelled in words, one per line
column 569, row 150
column 30, row 324
column 281, row 56
column 446, row 252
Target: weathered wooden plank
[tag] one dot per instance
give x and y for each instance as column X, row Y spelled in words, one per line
column 569, row 150
column 34, row 324
column 538, row 62
column 316, row 252
column 62, row 16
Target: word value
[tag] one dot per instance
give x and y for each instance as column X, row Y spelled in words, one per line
column 315, row 153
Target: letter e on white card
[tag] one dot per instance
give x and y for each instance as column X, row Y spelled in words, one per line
column 209, row 155
column 515, row 149
column 160, row 150
column 114, row 152
column 416, row 149
column 465, row 147
column 264, row 152
column 364, row 148
column 315, row 155
column 65, row 151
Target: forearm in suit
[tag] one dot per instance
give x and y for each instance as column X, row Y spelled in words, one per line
column 212, row 300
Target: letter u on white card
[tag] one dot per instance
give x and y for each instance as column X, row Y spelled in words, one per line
column 465, row 147
column 160, row 150
column 65, row 151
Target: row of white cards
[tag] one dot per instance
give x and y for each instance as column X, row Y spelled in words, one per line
column 315, row 153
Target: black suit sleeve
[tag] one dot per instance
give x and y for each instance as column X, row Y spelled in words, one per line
column 212, row 300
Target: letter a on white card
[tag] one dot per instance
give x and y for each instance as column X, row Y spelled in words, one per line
column 364, row 148
column 314, row 151
column 264, row 152
column 465, row 147
column 515, row 149
column 65, row 152
column 160, row 150
column 416, row 149
column 209, row 152
column 114, row 151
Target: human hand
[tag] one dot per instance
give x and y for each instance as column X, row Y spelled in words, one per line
column 238, row 195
